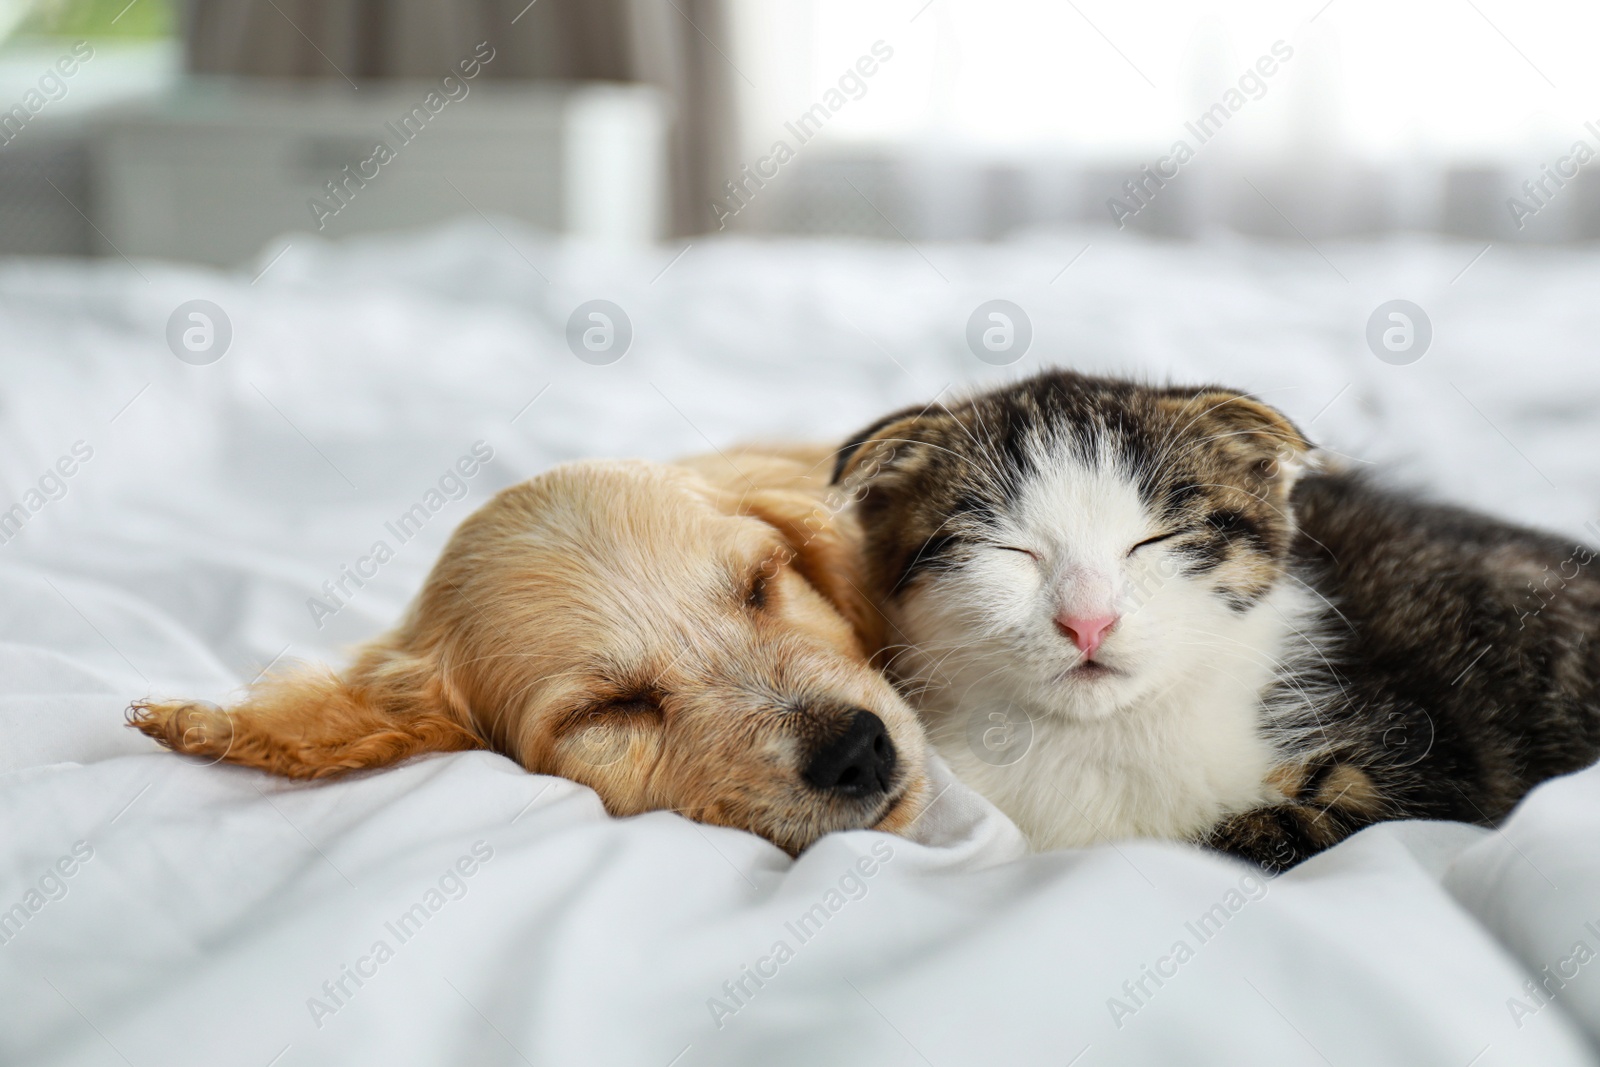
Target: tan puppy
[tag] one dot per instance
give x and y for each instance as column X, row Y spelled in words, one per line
column 681, row 637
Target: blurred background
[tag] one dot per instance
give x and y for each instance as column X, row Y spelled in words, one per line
column 281, row 262
column 202, row 130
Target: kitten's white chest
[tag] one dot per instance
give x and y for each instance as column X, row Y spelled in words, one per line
column 1169, row 767
column 1172, row 774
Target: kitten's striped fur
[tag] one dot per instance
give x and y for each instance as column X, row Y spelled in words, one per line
column 1313, row 654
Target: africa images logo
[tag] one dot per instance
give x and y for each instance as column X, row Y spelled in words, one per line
column 451, row 885
column 852, row 85
column 1153, row 177
column 354, row 177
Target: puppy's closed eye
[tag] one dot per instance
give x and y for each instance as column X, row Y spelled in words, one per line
column 630, row 705
column 758, row 587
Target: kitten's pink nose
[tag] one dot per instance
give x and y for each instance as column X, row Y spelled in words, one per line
column 1086, row 631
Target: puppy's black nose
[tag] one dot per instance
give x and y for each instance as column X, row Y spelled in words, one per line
column 858, row 763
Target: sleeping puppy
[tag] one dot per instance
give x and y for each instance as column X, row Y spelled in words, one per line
column 680, row 637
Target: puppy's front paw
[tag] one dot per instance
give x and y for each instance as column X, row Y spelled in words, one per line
column 192, row 727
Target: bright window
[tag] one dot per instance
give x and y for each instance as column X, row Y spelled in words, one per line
column 1370, row 79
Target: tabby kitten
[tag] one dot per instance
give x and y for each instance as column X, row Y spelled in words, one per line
column 1137, row 611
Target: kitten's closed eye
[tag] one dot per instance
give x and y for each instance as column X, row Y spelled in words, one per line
column 1157, row 539
column 1030, row 553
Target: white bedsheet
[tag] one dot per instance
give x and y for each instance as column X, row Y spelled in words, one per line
column 181, row 914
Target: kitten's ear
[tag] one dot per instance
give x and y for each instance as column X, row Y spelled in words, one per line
column 889, row 444
column 1242, row 424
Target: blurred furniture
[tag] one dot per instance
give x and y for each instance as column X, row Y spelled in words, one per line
column 219, row 167
column 681, row 47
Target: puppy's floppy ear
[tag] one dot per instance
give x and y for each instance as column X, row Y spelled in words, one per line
column 826, row 546
column 889, row 444
column 312, row 723
column 1245, row 427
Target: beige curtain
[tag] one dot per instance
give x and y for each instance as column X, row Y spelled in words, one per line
column 679, row 46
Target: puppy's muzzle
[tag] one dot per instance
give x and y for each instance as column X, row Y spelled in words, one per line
column 857, row 764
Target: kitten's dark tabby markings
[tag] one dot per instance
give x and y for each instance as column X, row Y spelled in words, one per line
column 1426, row 680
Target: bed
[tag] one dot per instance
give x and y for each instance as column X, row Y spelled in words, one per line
column 154, row 910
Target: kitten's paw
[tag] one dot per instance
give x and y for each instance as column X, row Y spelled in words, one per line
column 1272, row 838
column 1325, row 802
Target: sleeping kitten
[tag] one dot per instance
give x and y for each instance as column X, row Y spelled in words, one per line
column 1136, row 611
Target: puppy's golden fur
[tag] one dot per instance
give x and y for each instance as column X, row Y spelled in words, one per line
column 675, row 637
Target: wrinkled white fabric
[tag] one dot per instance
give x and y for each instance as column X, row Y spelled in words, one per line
column 174, row 913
